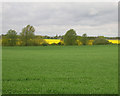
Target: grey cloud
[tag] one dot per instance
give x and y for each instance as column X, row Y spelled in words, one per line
column 17, row 15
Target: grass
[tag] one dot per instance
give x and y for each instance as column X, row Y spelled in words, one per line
column 60, row 70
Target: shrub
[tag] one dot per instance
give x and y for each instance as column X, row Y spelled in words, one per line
column 60, row 43
column 44, row 44
column 38, row 41
column 53, row 44
column 100, row 41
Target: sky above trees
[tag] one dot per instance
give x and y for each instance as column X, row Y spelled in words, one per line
column 94, row 19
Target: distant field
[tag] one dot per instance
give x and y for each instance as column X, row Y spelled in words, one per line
column 60, row 69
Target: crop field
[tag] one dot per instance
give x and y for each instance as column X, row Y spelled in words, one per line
column 60, row 69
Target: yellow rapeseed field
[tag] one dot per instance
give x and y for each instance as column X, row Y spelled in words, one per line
column 114, row 41
column 50, row 41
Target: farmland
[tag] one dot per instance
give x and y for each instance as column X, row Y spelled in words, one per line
column 60, row 69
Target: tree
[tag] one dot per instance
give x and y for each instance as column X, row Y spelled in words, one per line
column 70, row 37
column 11, row 37
column 84, row 39
column 27, row 35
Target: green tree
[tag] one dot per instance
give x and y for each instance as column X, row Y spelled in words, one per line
column 11, row 37
column 84, row 39
column 27, row 35
column 70, row 37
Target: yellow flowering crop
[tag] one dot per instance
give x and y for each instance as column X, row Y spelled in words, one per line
column 50, row 41
column 114, row 41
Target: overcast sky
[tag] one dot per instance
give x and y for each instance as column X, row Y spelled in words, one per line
column 95, row 19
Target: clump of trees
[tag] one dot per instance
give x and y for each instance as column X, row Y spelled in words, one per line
column 70, row 37
column 26, row 38
column 84, row 39
column 10, row 38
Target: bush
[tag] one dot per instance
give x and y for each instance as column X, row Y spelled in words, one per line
column 100, row 41
column 60, row 43
column 44, row 44
column 53, row 44
column 38, row 41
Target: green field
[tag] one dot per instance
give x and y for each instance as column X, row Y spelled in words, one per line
column 60, row 69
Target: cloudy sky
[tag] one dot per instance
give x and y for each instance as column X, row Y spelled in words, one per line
column 50, row 18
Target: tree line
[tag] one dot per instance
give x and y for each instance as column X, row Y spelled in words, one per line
column 71, row 38
column 28, row 38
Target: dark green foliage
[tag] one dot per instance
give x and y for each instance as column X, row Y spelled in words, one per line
column 45, row 44
column 59, row 43
column 91, row 38
column 38, row 41
column 79, row 37
column 56, row 37
column 84, row 39
column 10, row 38
column 70, row 37
column 53, row 37
column 53, row 44
column 100, row 41
column 46, row 37
column 27, row 35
